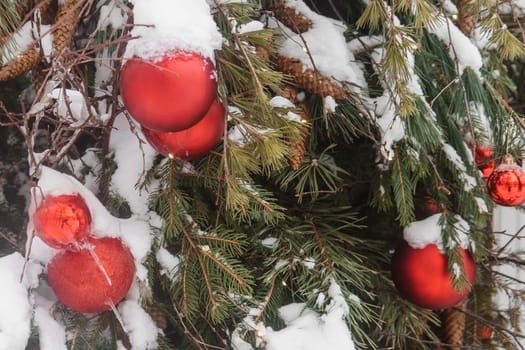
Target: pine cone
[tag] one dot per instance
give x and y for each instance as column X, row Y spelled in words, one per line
column 66, row 23
column 311, row 80
column 263, row 53
column 20, row 64
column 291, row 18
column 47, row 8
column 453, row 326
column 26, row 7
column 466, row 16
column 298, row 146
column 289, row 92
column 39, row 76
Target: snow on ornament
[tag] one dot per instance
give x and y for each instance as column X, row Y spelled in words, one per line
column 168, row 93
column 62, row 221
column 192, row 142
column 506, row 184
column 93, row 278
column 422, row 276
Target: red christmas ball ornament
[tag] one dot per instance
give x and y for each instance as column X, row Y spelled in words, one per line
column 192, row 142
column 170, row 94
column 506, row 184
column 426, row 207
column 484, row 157
column 485, row 332
column 87, row 285
column 63, row 220
column 423, row 278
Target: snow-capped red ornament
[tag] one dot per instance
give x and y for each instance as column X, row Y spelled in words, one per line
column 94, row 277
column 506, row 184
column 484, row 157
column 62, row 220
column 192, row 142
column 171, row 93
column 422, row 277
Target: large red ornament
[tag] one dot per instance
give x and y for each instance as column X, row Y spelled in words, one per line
column 82, row 284
column 506, row 184
column 171, row 94
column 423, row 278
column 484, row 157
column 192, row 142
column 63, row 220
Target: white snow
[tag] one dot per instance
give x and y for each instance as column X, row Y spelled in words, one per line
column 281, row 102
column 163, row 25
column 326, row 45
column 71, row 106
column 243, row 134
column 168, row 262
column 141, row 329
column 477, row 110
column 270, row 242
column 421, row 233
column 124, row 142
column 308, row 330
column 460, row 47
column 329, row 104
column 309, row 262
column 26, row 37
column 391, row 126
column 51, row 332
column 252, row 26
column 15, row 304
column 111, row 15
column 469, row 181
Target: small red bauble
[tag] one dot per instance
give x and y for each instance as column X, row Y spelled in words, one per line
column 62, row 220
column 484, row 157
column 80, row 283
column 426, row 207
column 192, row 142
column 506, row 184
column 171, row 94
column 485, row 332
column 423, row 278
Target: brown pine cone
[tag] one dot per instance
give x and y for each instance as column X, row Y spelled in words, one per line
column 20, row 64
column 263, row 53
column 453, row 326
column 289, row 92
column 466, row 16
column 291, row 18
column 311, row 80
column 47, row 9
column 66, row 23
column 40, row 76
column 298, row 147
